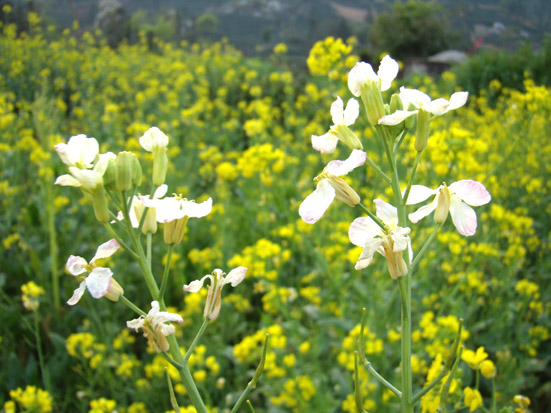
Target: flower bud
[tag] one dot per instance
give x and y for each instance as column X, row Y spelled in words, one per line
column 150, row 221
column 344, row 192
column 160, row 166
column 488, row 369
column 346, row 136
column 372, row 99
column 115, row 291
column 174, row 230
column 110, row 175
column 423, row 127
column 99, row 202
column 443, row 205
column 124, row 169
column 137, row 176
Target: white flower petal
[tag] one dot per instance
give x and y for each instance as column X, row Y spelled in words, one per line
column 235, row 276
column 77, row 294
column 397, row 117
column 415, row 97
column 196, row 285
column 458, row 99
column 168, row 329
column 325, row 143
column 136, row 323
column 98, row 281
column 369, row 248
column 351, row 112
column 106, row 249
column 388, row 70
column 76, row 265
column 360, row 74
column 78, row 151
column 422, row 212
column 165, row 316
column 103, row 162
column 337, row 111
column 471, row 192
column 340, row 168
column 160, row 191
column 419, row 193
column 314, row 205
column 400, row 238
column 67, row 180
column 437, row 107
column 362, row 229
column 88, row 179
column 463, row 217
column 386, row 212
column 153, row 138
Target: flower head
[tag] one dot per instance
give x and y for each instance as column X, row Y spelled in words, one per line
column 340, row 131
column 458, row 196
column 138, row 207
column 155, row 328
column 99, row 281
column 390, row 242
column 80, row 151
column 155, row 141
column 217, row 281
column 473, row 399
column 31, row 294
column 176, row 207
column 330, row 186
column 362, row 74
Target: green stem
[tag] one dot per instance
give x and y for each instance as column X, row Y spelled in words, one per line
column 53, row 250
column 167, row 270
column 357, row 388
column 148, row 244
column 250, row 406
column 195, row 341
column 132, row 306
column 379, row 170
column 373, row 216
column 412, row 177
column 425, row 246
column 120, row 241
column 252, row 384
column 45, row 374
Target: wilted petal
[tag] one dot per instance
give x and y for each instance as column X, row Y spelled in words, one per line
column 351, row 112
column 362, row 229
column 314, row 205
column 386, row 212
column 369, row 248
column 98, row 281
column 458, row 99
column 164, row 316
column 419, row 193
column 388, row 70
column 397, row 117
column 136, row 323
column 471, row 192
column 106, row 249
column 400, row 238
column 77, row 294
column 340, row 168
column 235, row 276
column 337, row 111
column 67, row 180
column 76, row 265
column 463, row 217
column 325, row 143
column 196, row 285
column 422, row 212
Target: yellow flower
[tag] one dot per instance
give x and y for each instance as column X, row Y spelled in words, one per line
column 488, row 369
column 473, row 399
column 474, row 359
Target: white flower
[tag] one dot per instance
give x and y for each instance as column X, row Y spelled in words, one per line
column 364, row 232
column 217, row 281
column 154, row 327
column 99, row 281
column 422, row 101
column 362, row 74
column 87, row 179
column 330, row 187
column 175, row 207
column 153, row 139
column 461, row 194
column 342, row 118
column 137, row 208
column 79, row 151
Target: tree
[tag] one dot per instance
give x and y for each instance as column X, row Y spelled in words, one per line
column 412, row 29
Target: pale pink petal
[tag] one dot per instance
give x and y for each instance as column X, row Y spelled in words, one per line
column 314, row 205
column 77, row 294
column 437, row 107
column 397, row 117
column 196, row 285
column 340, row 168
column 106, row 249
column 458, row 99
column 471, row 192
column 386, row 212
column 76, row 265
column 351, row 112
column 67, row 180
column 235, row 276
column 419, row 193
column 388, row 70
column 422, row 212
column 463, row 217
column 337, row 111
column 325, row 143
column 362, row 229
column 98, row 281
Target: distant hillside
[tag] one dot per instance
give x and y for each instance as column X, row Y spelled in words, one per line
column 255, row 26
